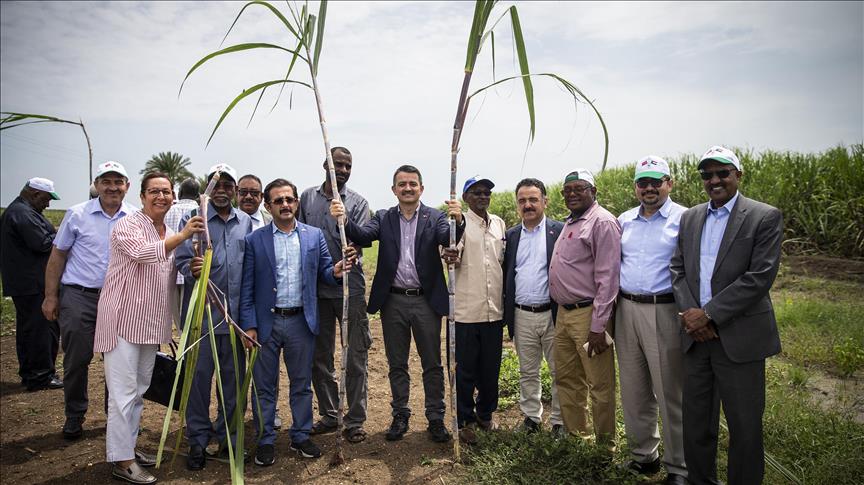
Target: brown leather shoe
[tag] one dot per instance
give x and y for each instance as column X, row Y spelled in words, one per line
column 467, row 435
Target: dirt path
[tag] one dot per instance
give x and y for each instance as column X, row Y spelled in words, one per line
column 32, row 449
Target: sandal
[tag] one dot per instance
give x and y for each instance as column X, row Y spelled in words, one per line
column 354, row 435
column 320, row 427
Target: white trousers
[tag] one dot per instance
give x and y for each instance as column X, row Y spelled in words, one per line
column 651, row 372
column 534, row 338
column 128, row 369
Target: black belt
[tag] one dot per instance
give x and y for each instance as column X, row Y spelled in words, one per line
column 406, row 291
column 578, row 304
column 287, row 312
column 85, row 289
column 535, row 308
column 654, row 299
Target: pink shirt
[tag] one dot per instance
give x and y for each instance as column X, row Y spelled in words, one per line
column 134, row 299
column 586, row 262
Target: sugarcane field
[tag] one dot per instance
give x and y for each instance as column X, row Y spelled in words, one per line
column 252, row 242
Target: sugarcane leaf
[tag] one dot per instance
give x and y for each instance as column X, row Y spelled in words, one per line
column 236, row 48
column 319, row 36
column 221, row 392
column 11, row 119
column 246, row 93
column 482, row 8
column 273, row 9
column 519, row 43
column 287, row 75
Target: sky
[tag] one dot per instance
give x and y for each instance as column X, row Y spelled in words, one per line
column 669, row 78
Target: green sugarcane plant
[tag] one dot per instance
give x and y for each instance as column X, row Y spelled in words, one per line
column 307, row 31
column 481, row 31
column 11, row 120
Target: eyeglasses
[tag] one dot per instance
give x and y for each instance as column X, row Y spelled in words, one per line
column 283, row 200
column 480, row 193
column 245, row 192
column 721, row 174
column 645, row 182
column 574, row 190
column 156, row 193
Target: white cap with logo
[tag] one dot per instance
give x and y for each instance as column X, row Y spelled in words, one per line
column 110, row 166
column 44, row 185
column 580, row 174
column 651, row 167
column 722, row 155
column 224, row 169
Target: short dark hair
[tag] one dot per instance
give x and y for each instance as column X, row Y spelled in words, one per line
column 407, row 169
column 250, row 176
column 531, row 182
column 189, row 189
column 276, row 184
column 154, row 175
column 339, row 149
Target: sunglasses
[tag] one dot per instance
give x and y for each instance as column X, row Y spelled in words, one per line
column 721, row 174
column 284, row 200
column 480, row 193
column 644, row 183
column 245, row 192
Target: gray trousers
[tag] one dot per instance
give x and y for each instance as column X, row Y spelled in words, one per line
column 651, row 371
column 324, row 376
column 77, row 329
column 401, row 317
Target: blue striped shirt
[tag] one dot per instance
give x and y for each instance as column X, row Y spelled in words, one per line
column 647, row 246
column 712, row 236
column 289, row 286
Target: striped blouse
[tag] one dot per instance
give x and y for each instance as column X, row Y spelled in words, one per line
column 134, row 299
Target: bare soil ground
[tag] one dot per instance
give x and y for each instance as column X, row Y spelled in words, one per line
column 32, row 449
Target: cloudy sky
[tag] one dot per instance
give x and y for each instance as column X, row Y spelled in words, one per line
column 669, row 78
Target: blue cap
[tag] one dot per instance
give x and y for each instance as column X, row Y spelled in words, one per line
column 476, row 180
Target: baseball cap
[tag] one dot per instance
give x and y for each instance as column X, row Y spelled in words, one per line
column 44, row 185
column 652, row 167
column 722, row 155
column 476, row 180
column 580, row 174
column 110, row 166
column 225, row 169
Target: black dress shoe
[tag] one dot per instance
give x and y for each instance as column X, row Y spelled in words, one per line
column 648, row 468
column 398, row 428
column 676, row 479
column 53, row 383
column 196, row 460
column 530, row 426
column 72, row 429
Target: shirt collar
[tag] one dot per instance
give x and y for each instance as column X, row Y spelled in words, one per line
column 211, row 212
column 277, row 230
column 664, row 210
column 727, row 207
column 475, row 217
column 590, row 210
column 94, row 206
column 416, row 211
column 538, row 227
column 342, row 192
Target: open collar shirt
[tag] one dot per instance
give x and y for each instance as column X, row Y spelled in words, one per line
column 712, row 236
column 406, row 271
column 532, row 274
column 84, row 233
column 289, row 285
column 586, row 263
column 479, row 276
column 647, row 246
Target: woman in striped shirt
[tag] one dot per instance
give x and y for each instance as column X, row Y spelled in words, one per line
column 133, row 318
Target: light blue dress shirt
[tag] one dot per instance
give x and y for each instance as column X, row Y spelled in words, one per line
column 712, row 236
column 289, row 287
column 532, row 274
column 647, row 246
column 85, row 233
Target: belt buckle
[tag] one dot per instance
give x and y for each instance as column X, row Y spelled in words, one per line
column 412, row 292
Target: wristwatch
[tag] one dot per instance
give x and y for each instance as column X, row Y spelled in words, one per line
column 707, row 315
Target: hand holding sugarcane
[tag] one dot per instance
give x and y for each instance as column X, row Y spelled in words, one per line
column 349, row 256
column 454, row 210
column 194, row 226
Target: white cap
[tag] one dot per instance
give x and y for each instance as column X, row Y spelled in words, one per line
column 44, row 185
column 110, row 166
column 722, row 155
column 225, row 169
column 580, row 174
column 652, row 167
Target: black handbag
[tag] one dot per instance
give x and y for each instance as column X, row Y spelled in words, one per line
column 162, row 382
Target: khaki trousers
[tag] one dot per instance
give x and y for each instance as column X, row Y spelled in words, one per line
column 535, row 339
column 578, row 376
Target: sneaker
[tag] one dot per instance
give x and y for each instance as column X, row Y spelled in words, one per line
column 398, row 428
column 306, row 449
column 437, row 432
column 265, row 456
column 146, row 460
column 530, row 426
column 72, row 429
column 132, row 474
column 467, row 434
column 195, row 460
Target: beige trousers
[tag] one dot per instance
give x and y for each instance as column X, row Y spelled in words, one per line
column 579, row 376
column 535, row 338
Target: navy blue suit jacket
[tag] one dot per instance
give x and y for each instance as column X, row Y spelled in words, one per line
column 258, row 291
column 433, row 231
column 553, row 229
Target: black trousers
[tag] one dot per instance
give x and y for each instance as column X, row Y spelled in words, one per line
column 478, row 364
column 36, row 341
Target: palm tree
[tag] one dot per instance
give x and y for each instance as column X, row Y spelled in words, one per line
column 170, row 163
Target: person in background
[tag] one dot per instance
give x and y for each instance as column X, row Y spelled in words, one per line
column 26, row 238
column 73, row 280
column 529, row 312
column 647, row 340
column 249, row 200
column 129, row 334
column 315, row 211
column 188, row 201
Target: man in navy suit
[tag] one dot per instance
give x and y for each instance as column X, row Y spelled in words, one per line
column 529, row 312
column 410, row 292
column 283, row 262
